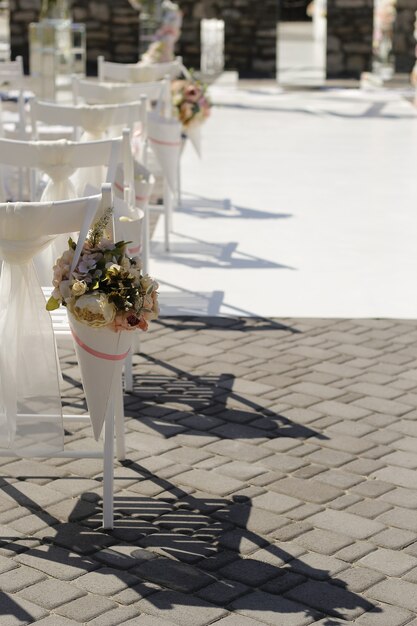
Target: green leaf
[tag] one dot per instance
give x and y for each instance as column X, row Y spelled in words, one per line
column 52, row 304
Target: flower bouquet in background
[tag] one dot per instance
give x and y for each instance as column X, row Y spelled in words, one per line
column 107, row 297
column 191, row 106
column 384, row 19
column 161, row 50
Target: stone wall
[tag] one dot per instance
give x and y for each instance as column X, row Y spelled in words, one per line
column 112, row 30
column 404, row 43
column 250, row 33
column 349, row 37
column 250, row 37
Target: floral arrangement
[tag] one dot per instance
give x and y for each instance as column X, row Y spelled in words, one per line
column 385, row 14
column 190, row 102
column 106, row 288
column 161, row 50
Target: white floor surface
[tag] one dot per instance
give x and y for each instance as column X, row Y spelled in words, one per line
column 304, row 204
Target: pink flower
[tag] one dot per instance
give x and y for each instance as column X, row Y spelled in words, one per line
column 192, row 93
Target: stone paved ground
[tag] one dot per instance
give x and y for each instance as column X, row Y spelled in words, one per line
column 271, row 480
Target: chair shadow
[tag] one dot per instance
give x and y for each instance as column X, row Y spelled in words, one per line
column 205, row 208
column 180, row 298
column 175, row 547
column 207, row 396
column 196, row 253
column 181, row 549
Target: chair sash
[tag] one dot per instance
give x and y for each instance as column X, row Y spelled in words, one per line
column 30, row 403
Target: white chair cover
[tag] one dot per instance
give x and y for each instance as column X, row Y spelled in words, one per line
column 30, row 403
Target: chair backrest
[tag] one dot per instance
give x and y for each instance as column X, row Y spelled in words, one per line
column 138, row 72
column 11, row 71
column 94, row 119
column 12, row 79
column 62, row 158
column 94, row 92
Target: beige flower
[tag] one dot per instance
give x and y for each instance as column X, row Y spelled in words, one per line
column 93, row 309
column 79, row 288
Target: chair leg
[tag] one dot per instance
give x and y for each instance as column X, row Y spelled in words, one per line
column 120, row 423
column 128, row 373
column 108, row 467
column 167, row 209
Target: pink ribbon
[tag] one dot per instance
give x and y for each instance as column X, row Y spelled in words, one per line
column 135, row 250
column 99, row 355
column 165, row 143
column 140, row 198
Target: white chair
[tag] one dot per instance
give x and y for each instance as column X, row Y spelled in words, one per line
column 60, row 159
column 31, row 421
column 13, row 81
column 98, row 121
column 138, row 72
column 164, row 138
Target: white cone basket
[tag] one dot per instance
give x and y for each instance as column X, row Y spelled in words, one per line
column 143, row 183
column 164, row 137
column 101, row 353
column 194, row 135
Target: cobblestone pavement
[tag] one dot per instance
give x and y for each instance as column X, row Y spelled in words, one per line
column 271, row 480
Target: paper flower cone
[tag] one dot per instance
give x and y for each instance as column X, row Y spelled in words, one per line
column 165, row 140
column 194, row 134
column 101, row 353
column 143, row 183
column 128, row 224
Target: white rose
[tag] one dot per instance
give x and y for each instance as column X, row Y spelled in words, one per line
column 79, row 288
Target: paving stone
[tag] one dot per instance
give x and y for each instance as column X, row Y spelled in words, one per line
column 369, row 508
column 116, row 616
column 134, row 594
column 400, row 476
column 318, row 566
column 86, row 608
column 394, row 538
column 401, row 497
column 250, row 571
column 344, row 502
column 312, row 491
column 289, row 532
column 184, row 610
column 51, row 593
column 238, row 620
column 371, row 488
column 282, row 583
column 324, row 541
column 284, row 463
column 76, row 538
column 222, row 592
column 237, row 450
column 242, row 541
column 389, row 562
column 386, row 615
column 56, row 620
column 355, row 526
column 254, row 519
column 330, row 458
column 57, row 562
column 147, row 620
column 123, row 557
column 174, row 575
column 401, row 518
column 106, row 581
column 277, row 503
column 17, row 611
column 400, row 593
column 357, row 579
column 274, row 610
column 19, row 578
column 330, row 599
